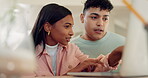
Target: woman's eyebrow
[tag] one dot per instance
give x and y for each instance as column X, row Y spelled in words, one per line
column 68, row 23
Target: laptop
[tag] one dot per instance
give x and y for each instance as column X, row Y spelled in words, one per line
column 93, row 74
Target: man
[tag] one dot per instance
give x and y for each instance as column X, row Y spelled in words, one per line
column 97, row 40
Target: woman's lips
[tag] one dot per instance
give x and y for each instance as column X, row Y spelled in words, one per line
column 68, row 39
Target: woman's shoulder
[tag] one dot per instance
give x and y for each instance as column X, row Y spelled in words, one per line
column 38, row 49
column 72, row 45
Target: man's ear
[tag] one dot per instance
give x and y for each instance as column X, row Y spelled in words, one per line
column 82, row 18
column 47, row 27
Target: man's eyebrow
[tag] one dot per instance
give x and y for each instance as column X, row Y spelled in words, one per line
column 105, row 15
column 94, row 14
column 98, row 14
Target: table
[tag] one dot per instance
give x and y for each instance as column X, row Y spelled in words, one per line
column 83, row 77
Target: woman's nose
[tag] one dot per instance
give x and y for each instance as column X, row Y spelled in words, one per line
column 71, row 33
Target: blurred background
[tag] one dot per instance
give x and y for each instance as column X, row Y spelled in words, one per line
column 118, row 19
column 23, row 13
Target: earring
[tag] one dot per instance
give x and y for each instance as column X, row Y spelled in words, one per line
column 49, row 33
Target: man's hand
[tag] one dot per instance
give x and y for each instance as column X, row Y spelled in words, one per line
column 115, row 56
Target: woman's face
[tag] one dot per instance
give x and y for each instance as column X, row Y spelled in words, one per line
column 61, row 32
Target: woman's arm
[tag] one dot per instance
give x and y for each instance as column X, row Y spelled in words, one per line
column 87, row 66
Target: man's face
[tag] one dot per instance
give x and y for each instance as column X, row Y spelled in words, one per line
column 96, row 23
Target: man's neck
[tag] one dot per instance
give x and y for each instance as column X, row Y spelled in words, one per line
column 85, row 37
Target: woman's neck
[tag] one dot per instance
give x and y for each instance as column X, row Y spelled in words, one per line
column 50, row 41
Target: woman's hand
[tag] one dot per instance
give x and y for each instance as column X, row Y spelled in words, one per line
column 88, row 65
column 92, row 64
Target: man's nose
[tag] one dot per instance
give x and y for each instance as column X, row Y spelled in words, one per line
column 100, row 22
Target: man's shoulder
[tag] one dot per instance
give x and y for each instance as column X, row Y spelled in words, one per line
column 116, row 38
column 115, row 35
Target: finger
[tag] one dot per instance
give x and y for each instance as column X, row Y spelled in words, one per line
column 90, row 60
column 99, row 68
column 101, row 63
column 100, row 56
column 87, row 65
column 93, row 66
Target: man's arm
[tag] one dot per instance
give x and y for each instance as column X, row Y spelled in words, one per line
column 115, row 56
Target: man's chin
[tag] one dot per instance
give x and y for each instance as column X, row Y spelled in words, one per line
column 98, row 38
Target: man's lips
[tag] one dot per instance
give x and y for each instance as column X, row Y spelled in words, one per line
column 99, row 30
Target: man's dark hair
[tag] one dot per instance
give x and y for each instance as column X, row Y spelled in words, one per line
column 102, row 4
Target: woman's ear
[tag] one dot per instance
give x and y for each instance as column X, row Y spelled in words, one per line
column 47, row 27
column 82, row 18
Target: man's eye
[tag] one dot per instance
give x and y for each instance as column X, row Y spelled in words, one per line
column 94, row 17
column 105, row 19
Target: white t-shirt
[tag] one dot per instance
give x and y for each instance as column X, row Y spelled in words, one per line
column 52, row 51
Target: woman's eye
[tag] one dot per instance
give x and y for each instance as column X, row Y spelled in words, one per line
column 67, row 26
